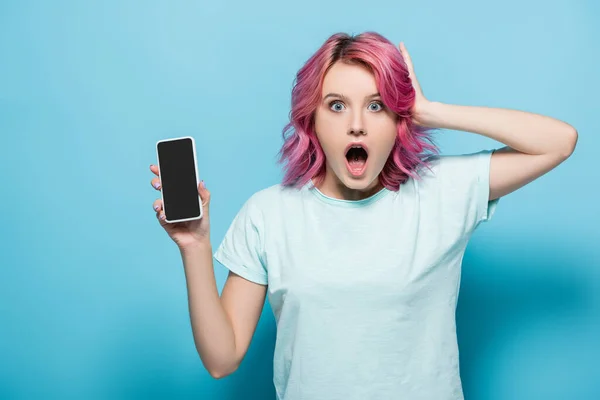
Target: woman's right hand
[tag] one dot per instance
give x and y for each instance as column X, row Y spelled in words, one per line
column 188, row 233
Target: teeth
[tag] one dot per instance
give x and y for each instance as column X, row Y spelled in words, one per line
column 356, row 157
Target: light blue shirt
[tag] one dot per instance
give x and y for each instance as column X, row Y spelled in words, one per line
column 364, row 292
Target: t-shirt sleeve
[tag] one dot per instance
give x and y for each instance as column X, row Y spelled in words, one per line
column 465, row 188
column 241, row 250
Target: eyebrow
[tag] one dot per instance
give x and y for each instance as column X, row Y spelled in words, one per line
column 341, row 96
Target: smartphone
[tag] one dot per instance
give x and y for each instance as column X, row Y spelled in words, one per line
column 177, row 170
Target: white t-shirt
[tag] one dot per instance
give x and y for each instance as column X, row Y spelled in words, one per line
column 364, row 292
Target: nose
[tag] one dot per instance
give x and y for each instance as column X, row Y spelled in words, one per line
column 356, row 125
column 354, row 131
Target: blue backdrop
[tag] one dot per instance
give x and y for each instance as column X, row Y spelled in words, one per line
column 92, row 292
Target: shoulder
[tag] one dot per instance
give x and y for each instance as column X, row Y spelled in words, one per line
column 274, row 193
column 452, row 173
column 272, row 198
column 450, row 165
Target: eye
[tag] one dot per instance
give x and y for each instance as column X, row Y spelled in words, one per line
column 336, row 106
column 378, row 106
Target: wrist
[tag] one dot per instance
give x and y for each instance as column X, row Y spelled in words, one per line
column 428, row 114
column 195, row 247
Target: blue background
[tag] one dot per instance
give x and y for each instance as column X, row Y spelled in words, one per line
column 93, row 302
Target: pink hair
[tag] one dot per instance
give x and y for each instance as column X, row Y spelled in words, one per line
column 301, row 150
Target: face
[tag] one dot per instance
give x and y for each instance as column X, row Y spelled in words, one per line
column 351, row 112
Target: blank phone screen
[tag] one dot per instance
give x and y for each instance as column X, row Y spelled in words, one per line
column 178, row 179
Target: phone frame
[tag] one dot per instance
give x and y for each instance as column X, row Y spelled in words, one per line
column 195, row 173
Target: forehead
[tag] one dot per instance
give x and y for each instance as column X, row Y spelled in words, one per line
column 349, row 79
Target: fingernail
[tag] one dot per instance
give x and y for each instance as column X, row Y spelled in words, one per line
column 203, row 184
column 157, row 184
column 156, row 208
column 162, row 216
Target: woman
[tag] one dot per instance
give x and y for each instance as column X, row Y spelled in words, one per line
column 360, row 247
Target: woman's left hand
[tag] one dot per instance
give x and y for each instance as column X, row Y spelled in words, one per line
column 419, row 109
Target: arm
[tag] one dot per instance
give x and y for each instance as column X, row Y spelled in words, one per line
column 222, row 327
column 535, row 144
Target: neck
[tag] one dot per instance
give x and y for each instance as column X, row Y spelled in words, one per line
column 333, row 187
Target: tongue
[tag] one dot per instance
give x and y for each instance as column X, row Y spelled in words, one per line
column 357, row 163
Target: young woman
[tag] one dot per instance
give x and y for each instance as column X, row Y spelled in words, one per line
column 360, row 247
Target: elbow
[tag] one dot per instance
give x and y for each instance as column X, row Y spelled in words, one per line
column 220, row 373
column 570, row 143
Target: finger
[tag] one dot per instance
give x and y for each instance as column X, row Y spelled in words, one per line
column 407, row 59
column 155, row 182
column 204, row 194
column 160, row 212
column 404, row 52
column 157, row 205
column 154, row 169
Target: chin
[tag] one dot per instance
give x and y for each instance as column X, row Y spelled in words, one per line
column 363, row 182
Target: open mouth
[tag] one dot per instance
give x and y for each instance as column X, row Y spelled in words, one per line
column 356, row 158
